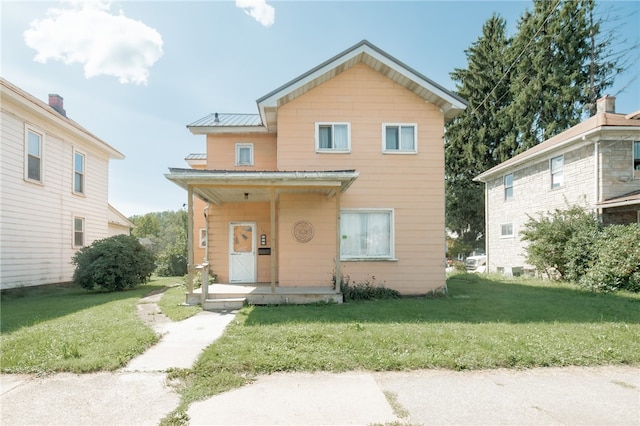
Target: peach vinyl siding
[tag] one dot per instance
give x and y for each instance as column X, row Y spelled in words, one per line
column 367, row 99
column 221, row 151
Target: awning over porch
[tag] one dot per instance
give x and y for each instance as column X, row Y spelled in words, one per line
column 224, row 186
column 628, row 199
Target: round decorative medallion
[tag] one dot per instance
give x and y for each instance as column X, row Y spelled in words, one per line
column 302, row 231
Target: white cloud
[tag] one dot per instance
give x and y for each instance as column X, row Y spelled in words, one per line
column 258, row 10
column 86, row 32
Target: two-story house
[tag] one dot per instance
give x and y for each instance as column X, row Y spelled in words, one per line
column 53, row 189
column 339, row 174
column 595, row 164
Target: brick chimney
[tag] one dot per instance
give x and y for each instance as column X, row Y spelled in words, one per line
column 57, row 102
column 606, row 104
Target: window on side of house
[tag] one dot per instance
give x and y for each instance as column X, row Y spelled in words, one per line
column 508, row 186
column 78, row 231
column 33, row 155
column 333, row 137
column 244, row 154
column 203, row 238
column 636, row 159
column 366, row 234
column 557, row 173
column 78, row 172
column 506, row 230
column 399, row 138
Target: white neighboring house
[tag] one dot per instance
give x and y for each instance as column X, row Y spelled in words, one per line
column 53, row 190
column 595, row 164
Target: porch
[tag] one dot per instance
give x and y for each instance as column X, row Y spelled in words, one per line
column 218, row 297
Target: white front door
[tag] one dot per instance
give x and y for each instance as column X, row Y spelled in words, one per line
column 242, row 252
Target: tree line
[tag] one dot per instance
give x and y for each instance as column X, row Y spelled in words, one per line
column 522, row 90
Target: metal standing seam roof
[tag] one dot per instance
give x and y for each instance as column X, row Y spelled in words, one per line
column 228, row 120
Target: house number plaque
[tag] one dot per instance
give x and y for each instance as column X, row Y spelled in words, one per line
column 302, row 231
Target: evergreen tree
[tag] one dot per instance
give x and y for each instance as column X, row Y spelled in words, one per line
column 477, row 139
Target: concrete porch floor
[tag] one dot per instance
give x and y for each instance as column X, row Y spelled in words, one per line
column 261, row 294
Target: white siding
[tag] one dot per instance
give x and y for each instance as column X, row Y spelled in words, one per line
column 36, row 220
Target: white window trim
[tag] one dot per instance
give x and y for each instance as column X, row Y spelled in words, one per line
column 400, row 151
column 551, row 171
column 84, row 173
column 27, row 129
column 332, row 150
column 244, row 145
column 635, row 172
column 392, row 237
column 504, row 183
column 202, row 238
column 507, row 236
column 84, row 231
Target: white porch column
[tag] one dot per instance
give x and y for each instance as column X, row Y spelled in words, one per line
column 338, row 240
column 273, row 240
column 190, row 265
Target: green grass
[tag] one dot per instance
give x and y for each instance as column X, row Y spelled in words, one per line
column 172, row 302
column 485, row 322
column 51, row 329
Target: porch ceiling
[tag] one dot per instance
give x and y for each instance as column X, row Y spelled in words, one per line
column 230, row 186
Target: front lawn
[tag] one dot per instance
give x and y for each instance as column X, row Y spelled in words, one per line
column 50, row 329
column 485, row 322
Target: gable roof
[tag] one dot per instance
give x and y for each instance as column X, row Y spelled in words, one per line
column 585, row 132
column 30, row 102
column 362, row 52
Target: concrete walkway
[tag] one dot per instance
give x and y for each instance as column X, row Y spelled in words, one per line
column 139, row 395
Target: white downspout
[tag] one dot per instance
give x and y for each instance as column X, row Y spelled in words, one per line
column 596, row 174
column 206, row 230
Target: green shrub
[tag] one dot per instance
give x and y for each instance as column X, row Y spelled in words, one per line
column 617, row 260
column 115, row 263
column 172, row 262
column 367, row 290
column 560, row 243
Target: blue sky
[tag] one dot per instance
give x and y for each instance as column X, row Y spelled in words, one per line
column 135, row 73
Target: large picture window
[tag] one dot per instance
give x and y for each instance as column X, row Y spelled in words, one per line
column 399, row 138
column 333, row 137
column 366, row 234
column 78, row 172
column 33, row 154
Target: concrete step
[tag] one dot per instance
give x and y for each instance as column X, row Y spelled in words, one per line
column 225, row 304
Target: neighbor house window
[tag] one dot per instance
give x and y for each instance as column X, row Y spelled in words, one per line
column 203, row 238
column 366, row 234
column 78, row 231
column 508, row 186
column 33, row 155
column 333, row 137
column 557, row 174
column 506, row 230
column 244, row 154
column 636, row 159
column 399, row 138
column 78, row 172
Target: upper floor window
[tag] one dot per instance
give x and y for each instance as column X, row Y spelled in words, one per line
column 557, row 174
column 33, row 155
column 366, row 234
column 636, row 159
column 333, row 137
column 78, row 231
column 399, row 138
column 508, row 186
column 78, row 172
column 244, row 154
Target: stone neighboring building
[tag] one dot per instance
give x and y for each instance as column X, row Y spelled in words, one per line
column 595, row 164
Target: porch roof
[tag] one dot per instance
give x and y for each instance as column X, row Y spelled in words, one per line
column 227, row 186
column 627, row 199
